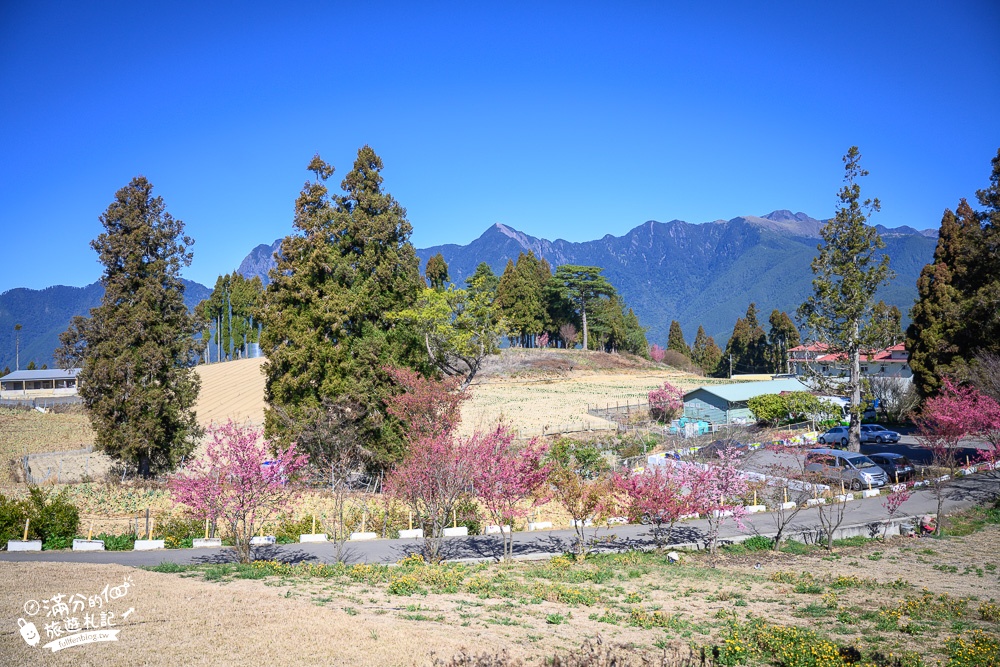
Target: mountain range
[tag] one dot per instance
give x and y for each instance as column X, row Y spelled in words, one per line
column 698, row 274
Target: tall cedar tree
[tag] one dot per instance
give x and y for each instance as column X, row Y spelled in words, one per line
column 522, row 300
column 705, row 354
column 137, row 348
column 957, row 313
column 327, row 326
column 675, row 339
column 582, row 285
column 747, row 347
column 436, row 272
column 848, row 272
column 782, row 337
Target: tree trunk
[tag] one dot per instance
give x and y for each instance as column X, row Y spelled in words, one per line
column 854, row 432
column 583, row 313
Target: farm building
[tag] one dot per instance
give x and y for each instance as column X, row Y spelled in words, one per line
column 725, row 403
column 48, row 382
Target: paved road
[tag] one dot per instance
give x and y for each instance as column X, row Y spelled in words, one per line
column 962, row 493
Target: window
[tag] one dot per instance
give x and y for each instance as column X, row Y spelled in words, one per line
column 864, row 369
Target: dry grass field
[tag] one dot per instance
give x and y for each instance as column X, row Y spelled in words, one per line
column 905, row 597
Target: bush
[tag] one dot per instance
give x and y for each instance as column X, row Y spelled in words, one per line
column 758, row 543
column 666, row 402
column 179, row 532
column 54, row 520
column 124, row 542
column 289, row 530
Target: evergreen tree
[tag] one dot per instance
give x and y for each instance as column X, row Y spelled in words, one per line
column 583, row 285
column 848, row 272
column 328, row 325
column 747, row 347
column 483, row 281
column 712, row 357
column 31, row 366
column 436, row 272
column 136, row 348
column 232, row 312
column 6, row 371
column 956, row 318
column 675, row 339
column 782, row 337
column 521, row 298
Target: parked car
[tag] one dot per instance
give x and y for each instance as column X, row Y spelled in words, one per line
column 856, row 471
column 836, row 435
column 877, row 433
column 896, row 466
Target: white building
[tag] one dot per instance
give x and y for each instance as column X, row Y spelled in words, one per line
column 814, row 359
column 39, row 383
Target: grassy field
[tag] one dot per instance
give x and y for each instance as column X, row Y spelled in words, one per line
column 898, row 603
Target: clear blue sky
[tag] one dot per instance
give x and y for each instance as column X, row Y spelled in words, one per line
column 565, row 121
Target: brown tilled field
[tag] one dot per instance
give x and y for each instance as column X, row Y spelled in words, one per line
column 223, row 615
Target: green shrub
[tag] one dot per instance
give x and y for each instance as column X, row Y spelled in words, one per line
column 55, row 542
column 178, row 532
column 758, row 543
column 124, row 542
column 288, row 531
column 12, row 515
column 52, row 516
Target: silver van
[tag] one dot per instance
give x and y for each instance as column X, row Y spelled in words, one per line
column 856, row 471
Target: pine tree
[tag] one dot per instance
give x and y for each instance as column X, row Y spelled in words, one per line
column 31, row 366
column 583, row 286
column 782, row 337
column 675, row 339
column 436, row 272
column 848, row 272
column 328, row 330
column 136, row 348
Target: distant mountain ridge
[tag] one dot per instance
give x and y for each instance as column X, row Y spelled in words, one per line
column 697, row 274
column 46, row 313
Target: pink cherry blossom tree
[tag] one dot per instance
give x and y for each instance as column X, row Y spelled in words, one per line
column 892, row 504
column 435, row 475
column 656, row 353
column 506, row 477
column 956, row 412
column 718, row 490
column 660, row 495
column 240, row 482
column 666, row 402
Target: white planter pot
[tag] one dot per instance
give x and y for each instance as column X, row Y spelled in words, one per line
column 458, row 531
column 816, row 501
column 263, row 541
column 870, row 493
column 416, row 533
column 24, row 545
column 313, row 537
column 496, row 530
column 361, row 537
column 88, row 545
column 790, row 505
column 753, row 509
column 149, row 545
column 539, row 525
column 206, row 542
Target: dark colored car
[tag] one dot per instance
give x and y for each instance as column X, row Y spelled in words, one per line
column 878, row 434
column 896, row 466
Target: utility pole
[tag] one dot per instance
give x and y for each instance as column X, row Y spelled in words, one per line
column 730, row 366
column 17, row 347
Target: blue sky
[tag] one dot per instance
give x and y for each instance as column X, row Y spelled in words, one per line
column 569, row 120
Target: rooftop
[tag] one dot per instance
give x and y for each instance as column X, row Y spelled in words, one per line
column 744, row 391
column 42, row 374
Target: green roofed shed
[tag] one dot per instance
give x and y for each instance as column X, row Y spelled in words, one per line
column 725, row 403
